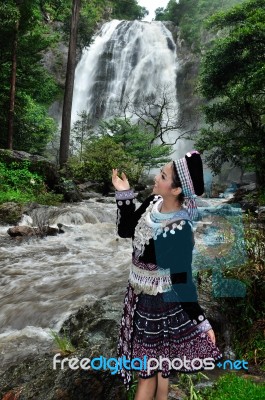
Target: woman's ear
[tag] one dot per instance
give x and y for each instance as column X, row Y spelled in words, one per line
column 176, row 191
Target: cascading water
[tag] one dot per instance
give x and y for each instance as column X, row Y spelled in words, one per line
column 127, row 60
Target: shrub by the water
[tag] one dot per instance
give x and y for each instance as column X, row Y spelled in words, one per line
column 18, row 184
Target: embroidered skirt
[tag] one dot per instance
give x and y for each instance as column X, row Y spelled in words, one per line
column 155, row 328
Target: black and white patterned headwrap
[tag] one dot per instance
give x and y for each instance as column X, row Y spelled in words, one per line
column 187, row 186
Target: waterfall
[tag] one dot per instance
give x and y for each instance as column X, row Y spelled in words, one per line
column 127, row 60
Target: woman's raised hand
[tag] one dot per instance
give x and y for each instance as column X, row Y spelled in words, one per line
column 120, row 183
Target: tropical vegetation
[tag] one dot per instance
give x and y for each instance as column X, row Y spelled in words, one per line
column 232, row 80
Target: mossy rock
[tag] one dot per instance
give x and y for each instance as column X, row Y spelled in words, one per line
column 38, row 164
column 10, row 213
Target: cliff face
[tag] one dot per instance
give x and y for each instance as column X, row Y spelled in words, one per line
column 187, row 73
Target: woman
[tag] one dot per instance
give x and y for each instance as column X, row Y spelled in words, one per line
column 161, row 315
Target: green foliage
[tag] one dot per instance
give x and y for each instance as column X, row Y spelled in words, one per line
column 233, row 387
column 247, row 314
column 100, row 157
column 63, row 342
column 35, row 87
column 233, row 78
column 128, row 9
column 91, row 14
column 136, row 142
column 81, row 132
column 132, row 391
column 251, row 309
column 94, row 11
column 19, row 184
column 35, row 128
column 170, row 13
column 56, row 10
column 190, row 16
column 118, row 143
column 186, row 381
column 17, row 175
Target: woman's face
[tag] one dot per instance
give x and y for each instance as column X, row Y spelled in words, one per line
column 163, row 182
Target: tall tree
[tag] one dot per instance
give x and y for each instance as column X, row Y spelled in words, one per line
column 26, row 88
column 10, row 133
column 69, row 84
column 233, row 82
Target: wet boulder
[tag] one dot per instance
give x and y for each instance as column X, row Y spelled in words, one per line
column 93, row 331
column 69, row 190
column 36, row 378
column 31, row 231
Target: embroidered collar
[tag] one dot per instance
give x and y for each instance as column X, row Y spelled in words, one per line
column 165, row 218
column 153, row 223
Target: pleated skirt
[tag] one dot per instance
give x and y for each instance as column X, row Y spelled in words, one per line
column 154, row 328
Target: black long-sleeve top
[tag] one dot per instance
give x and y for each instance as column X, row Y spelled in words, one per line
column 171, row 250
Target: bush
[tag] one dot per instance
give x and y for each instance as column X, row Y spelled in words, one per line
column 99, row 158
column 19, row 185
column 137, row 142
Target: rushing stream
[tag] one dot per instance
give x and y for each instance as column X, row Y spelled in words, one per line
column 45, row 280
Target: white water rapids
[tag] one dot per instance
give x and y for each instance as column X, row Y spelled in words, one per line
column 43, row 281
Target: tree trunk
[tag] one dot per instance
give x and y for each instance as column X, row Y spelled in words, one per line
column 69, row 85
column 260, row 177
column 11, row 113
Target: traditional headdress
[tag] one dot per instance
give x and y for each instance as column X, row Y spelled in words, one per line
column 190, row 172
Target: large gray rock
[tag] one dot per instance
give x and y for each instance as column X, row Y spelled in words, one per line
column 35, row 379
column 69, row 190
column 93, row 331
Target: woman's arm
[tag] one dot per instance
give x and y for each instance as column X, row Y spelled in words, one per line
column 127, row 215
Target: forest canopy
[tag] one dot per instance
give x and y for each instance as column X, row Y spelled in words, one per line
column 232, row 80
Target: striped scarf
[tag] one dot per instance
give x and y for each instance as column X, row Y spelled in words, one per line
column 187, row 187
